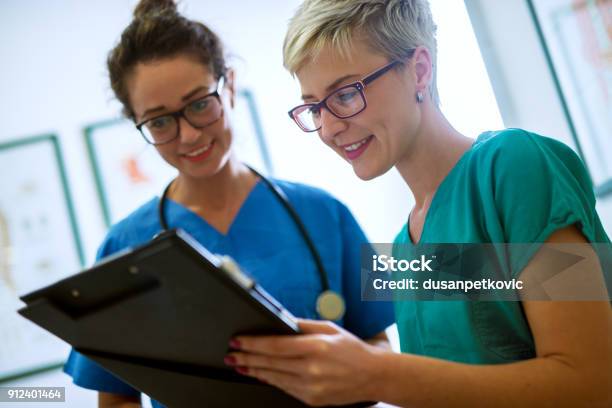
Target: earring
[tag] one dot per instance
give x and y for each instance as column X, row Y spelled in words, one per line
column 419, row 97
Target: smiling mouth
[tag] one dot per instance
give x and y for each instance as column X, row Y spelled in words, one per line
column 197, row 152
column 355, row 146
column 354, row 150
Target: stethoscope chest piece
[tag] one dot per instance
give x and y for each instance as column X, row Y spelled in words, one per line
column 330, row 305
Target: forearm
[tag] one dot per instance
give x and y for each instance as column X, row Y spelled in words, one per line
column 414, row 381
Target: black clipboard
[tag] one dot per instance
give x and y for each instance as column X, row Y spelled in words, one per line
column 146, row 315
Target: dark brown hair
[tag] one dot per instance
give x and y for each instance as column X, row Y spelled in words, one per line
column 158, row 31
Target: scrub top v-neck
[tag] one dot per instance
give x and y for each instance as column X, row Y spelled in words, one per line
column 208, row 232
column 511, row 186
column 439, row 195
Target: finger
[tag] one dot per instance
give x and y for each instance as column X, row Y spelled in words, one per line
column 318, row 326
column 286, row 365
column 298, row 345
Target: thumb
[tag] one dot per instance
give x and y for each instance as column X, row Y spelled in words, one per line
column 317, row 326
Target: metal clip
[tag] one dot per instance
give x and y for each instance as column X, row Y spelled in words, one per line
column 233, row 270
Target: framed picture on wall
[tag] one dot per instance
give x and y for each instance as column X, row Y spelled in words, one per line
column 39, row 244
column 129, row 172
column 577, row 41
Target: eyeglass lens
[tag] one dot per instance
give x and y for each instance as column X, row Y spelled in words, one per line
column 199, row 114
column 344, row 102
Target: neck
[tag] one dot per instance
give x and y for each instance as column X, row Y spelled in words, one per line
column 216, row 192
column 434, row 151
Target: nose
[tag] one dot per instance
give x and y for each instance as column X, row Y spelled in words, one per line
column 330, row 126
column 187, row 133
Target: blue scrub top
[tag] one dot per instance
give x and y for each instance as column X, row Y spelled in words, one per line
column 267, row 244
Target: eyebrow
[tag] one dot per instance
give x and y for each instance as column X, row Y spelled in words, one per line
column 331, row 86
column 184, row 98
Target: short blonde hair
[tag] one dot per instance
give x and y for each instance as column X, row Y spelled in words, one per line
column 391, row 27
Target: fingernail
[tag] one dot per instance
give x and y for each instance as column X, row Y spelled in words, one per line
column 234, row 344
column 229, row 360
column 242, row 370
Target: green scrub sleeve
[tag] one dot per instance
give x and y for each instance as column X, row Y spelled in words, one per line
column 540, row 186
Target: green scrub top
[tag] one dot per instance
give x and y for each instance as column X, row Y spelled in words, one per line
column 511, row 186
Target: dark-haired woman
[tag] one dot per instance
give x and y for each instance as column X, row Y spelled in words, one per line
column 170, row 75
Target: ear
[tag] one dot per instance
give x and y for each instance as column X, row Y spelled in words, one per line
column 423, row 69
column 230, row 85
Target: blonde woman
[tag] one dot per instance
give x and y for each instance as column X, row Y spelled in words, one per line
column 367, row 71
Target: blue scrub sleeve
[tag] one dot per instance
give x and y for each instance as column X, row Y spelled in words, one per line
column 88, row 374
column 363, row 318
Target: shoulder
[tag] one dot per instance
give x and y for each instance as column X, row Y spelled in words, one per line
column 305, row 195
column 520, row 156
column 315, row 201
column 535, row 184
column 137, row 228
column 508, row 146
column 517, row 155
column 303, row 191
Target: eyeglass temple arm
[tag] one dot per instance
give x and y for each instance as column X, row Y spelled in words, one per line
column 379, row 73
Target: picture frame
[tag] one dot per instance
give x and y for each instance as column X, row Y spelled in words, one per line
column 578, row 50
column 39, row 244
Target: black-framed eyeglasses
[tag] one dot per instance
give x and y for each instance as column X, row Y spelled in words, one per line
column 345, row 102
column 200, row 113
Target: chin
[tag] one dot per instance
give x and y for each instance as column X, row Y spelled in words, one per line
column 365, row 174
column 367, row 177
column 370, row 172
column 202, row 171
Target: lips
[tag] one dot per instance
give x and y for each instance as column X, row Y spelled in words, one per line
column 199, row 154
column 354, row 150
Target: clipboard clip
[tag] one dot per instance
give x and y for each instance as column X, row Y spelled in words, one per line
column 229, row 266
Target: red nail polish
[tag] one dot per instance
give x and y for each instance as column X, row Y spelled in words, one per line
column 242, row 370
column 234, row 344
column 229, row 360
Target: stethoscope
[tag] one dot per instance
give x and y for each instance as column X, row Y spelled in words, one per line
column 330, row 304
